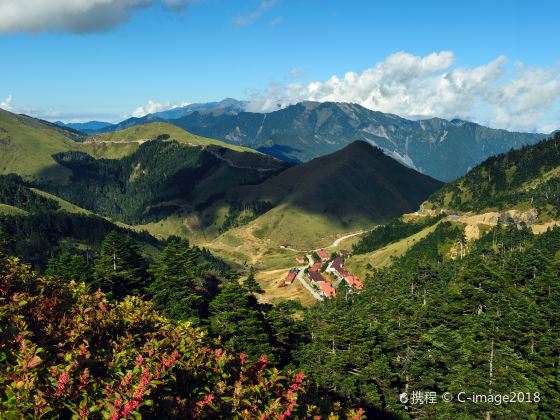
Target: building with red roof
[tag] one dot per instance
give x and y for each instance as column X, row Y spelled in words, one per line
column 327, row 290
column 316, row 266
column 323, row 254
column 353, row 281
column 291, row 276
column 300, row 259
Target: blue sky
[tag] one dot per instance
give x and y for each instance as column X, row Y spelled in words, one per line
column 214, row 49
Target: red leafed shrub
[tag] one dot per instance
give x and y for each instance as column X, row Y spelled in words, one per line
column 67, row 352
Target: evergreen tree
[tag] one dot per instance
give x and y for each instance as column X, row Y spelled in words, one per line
column 181, row 287
column 70, row 267
column 6, row 242
column 237, row 318
column 251, row 284
column 120, row 268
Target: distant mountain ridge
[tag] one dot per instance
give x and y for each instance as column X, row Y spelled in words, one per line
column 228, row 105
column 85, row 127
column 440, row 148
column 437, row 147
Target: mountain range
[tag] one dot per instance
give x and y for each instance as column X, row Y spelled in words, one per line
column 440, row 148
column 159, row 173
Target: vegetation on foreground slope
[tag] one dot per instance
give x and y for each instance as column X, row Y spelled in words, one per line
column 486, row 323
column 67, row 351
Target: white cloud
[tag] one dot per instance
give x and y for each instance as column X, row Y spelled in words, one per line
column 430, row 86
column 153, row 106
column 256, row 14
column 76, row 16
column 6, row 104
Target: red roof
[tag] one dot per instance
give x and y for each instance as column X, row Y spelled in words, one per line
column 323, row 254
column 316, row 266
column 290, row 277
column 354, row 281
column 327, row 289
column 300, row 258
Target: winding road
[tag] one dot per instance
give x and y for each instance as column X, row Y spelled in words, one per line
column 333, row 245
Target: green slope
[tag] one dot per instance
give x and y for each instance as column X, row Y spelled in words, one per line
column 27, row 146
column 6, row 209
column 523, row 179
column 342, row 192
column 159, row 179
column 151, row 131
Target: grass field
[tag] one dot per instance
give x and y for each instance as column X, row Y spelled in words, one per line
column 357, row 264
column 109, row 150
column 152, row 130
column 27, row 150
column 6, row 209
column 64, row 205
column 272, row 282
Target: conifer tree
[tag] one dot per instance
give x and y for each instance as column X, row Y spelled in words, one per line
column 5, row 243
column 251, row 284
column 181, row 288
column 120, row 269
column 237, row 318
column 70, row 267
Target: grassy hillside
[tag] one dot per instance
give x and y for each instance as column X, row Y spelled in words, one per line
column 342, row 192
column 383, row 257
column 6, row 209
column 160, row 179
column 27, row 146
column 153, row 130
column 520, row 179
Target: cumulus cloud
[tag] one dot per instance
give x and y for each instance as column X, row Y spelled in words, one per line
column 153, row 106
column 7, row 103
column 431, row 86
column 255, row 15
column 75, row 16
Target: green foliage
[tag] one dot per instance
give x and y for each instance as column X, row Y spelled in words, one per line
column 486, row 323
column 184, row 281
column 120, row 269
column 251, row 284
column 71, row 266
column 44, row 232
column 240, row 213
column 14, row 193
column 5, row 243
column 67, row 353
column 392, row 232
column 434, row 247
column 238, row 319
column 508, row 180
column 37, row 237
column 151, row 183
